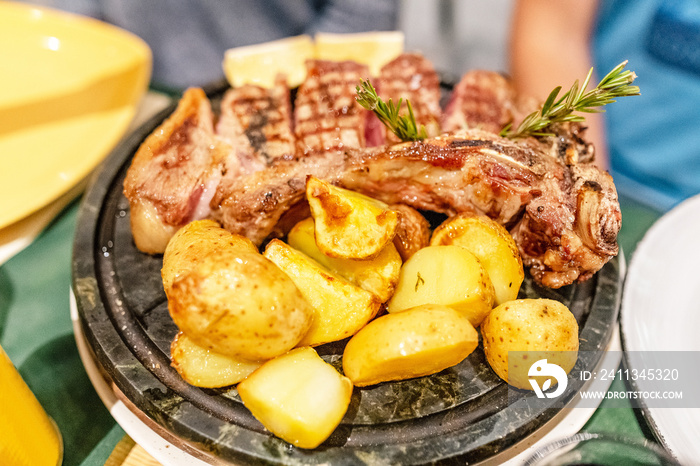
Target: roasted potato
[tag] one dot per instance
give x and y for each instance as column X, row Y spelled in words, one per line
column 298, row 397
column 448, row 275
column 192, row 243
column 492, row 245
column 240, row 304
column 202, row 367
column 340, row 308
column 412, row 232
column 349, row 225
column 378, row 276
column 544, row 328
column 419, row 341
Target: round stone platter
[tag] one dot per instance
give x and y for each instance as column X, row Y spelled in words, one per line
column 460, row 415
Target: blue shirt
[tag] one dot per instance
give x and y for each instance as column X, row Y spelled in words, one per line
column 653, row 138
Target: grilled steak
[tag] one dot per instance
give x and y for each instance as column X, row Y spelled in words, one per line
column 174, row 173
column 412, row 77
column 481, row 99
column 564, row 217
column 257, row 122
column 547, row 204
column 561, row 210
column 326, row 115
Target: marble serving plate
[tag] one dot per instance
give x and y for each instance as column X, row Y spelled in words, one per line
column 461, row 414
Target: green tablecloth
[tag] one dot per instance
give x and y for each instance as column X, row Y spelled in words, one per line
column 37, row 334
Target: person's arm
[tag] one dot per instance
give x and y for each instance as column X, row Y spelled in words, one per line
column 549, row 47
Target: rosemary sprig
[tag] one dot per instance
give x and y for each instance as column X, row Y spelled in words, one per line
column 404, row 127
column 617, row 83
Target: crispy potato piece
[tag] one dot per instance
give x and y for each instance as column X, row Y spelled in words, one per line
column 240, row 304
column 545, row 328
column 349, row 225
column 298, row 397
column 340, row 308
column 192, row 243
column 378, row 276
column 491, row 243
column 412, row 232
column 202, row 367
column 419, row 341
column 448, row 275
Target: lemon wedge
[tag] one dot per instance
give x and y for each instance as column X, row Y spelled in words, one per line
column 260, row 63
column 374, row 49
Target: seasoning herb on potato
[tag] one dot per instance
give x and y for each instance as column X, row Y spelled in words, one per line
column 298, row 397
column 202, row 367
column 240, row 304
column 544, row 328
column 340, row 308
column 491, row 243
column 349, row 225
column 448, row 275
column 419, row 341
column 378, row 276
column 192, row 243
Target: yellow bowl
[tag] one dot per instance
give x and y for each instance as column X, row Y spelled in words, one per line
column 69, row 87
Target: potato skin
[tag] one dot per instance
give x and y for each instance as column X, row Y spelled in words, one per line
column 419, row 341
column 202, row 367
column 544, row 327
column 349, row 225
column 340, row 308
column 378, row 276
column 491, row 243
column 448, row 275
column 192, row 243
column 240, row 304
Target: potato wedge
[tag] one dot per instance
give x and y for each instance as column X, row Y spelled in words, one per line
column 340, row 308
column 193, row 242
column 491, row 243
column 419, row 341
column 378, row 276
column 240, row 304
column 448, row 275
column 349, row 225
column 298, row 397
column 544, row 328
column 202, row 367
column 412, row 232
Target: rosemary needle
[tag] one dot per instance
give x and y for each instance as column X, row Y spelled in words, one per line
column 403, row 126
column 617, row 83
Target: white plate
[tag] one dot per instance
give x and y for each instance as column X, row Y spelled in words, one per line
column 660, row 312
column 567, row 422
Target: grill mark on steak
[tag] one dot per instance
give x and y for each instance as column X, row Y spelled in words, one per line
column 257, row 122
column 326, row 115
column 412, row 77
